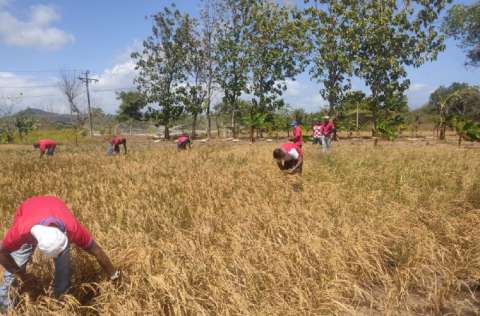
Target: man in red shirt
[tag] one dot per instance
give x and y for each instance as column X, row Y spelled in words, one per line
column 114, row 146
column 47, row 223
column 46, row 145
column 289, row 157
column 327, row 133
column 297, row 134
column 183, row 141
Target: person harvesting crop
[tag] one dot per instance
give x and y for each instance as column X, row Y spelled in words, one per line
column 183, row 141
column 297, row 133
column 45, row 146
column 289, row 157
column 47, row 223
column 114, row 145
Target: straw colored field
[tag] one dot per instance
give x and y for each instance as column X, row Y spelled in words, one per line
column 392, row 230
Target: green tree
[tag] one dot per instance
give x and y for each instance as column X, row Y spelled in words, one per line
column 163, row 65
column 232, row 57
column 131, row 106
column 391, row 35
column 332, row 47
column 210, row 27
column 354, row 111
column 24, row 125
column 458, row 101
column 276, row 45
column 463, row 23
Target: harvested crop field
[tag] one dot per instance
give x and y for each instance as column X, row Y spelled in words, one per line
column 219, row 230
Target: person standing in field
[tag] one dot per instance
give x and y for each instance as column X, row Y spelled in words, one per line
column 45, row 146
column 114, row 145
column 297, row 134
column 317, row 133
column 327, row 133
column 183, row 141
column 289, row 157
column 46, row 223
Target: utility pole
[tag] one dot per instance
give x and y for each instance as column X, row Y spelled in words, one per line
column 87, row 80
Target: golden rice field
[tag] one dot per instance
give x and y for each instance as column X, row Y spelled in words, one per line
column 391, row 230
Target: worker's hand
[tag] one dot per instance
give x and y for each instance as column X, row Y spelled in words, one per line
column 25, row 277
column 116, row 277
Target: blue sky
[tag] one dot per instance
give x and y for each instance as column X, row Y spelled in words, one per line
column 38, row 38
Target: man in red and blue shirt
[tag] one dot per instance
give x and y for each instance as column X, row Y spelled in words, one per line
column 183, row 141
column 114, row 145
column 45, row 146
column 46, row 223
column 327, row 133
column 289, row 157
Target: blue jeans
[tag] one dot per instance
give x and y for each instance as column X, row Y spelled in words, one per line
column 326, row 143
column 50, row 151
column 22, row 256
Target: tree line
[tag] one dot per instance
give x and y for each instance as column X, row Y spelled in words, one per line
column 245, row 51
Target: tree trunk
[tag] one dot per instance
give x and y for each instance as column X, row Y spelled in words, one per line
column 166, row 133
column 218, row 126
column 194, row 126
column 252, row 134
column 442, row 132
column 374, row 123
column 131, row 123
column 233, row 124
column 209, row 121
column 459, row 140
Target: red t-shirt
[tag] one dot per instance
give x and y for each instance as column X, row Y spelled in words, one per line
column 317, row 131
column 44, row 144
column 297, row 134
column 117, row 140
column 327, row 129
column 182, row 139
column 287, row 147
column 44, row 210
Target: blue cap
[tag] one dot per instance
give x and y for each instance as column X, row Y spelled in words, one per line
column 293, row 123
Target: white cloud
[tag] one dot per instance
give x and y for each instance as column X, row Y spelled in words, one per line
column 294, row 88
column 418, row 94
column 35, row 32
column 26, row 91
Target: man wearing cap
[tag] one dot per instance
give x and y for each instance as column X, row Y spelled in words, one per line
column 183, row 141
column 327, row 132
column 289, row 157
column 114, row 146
column 47, row 223
column 46, row 146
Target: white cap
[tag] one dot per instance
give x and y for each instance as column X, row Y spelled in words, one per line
column 51, row 240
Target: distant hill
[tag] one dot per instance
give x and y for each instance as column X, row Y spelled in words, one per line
column 47, row 117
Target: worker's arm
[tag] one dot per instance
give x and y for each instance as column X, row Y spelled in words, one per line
column 280, row 165
column 102, row 259
column 299, row 163
column 7, row 261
